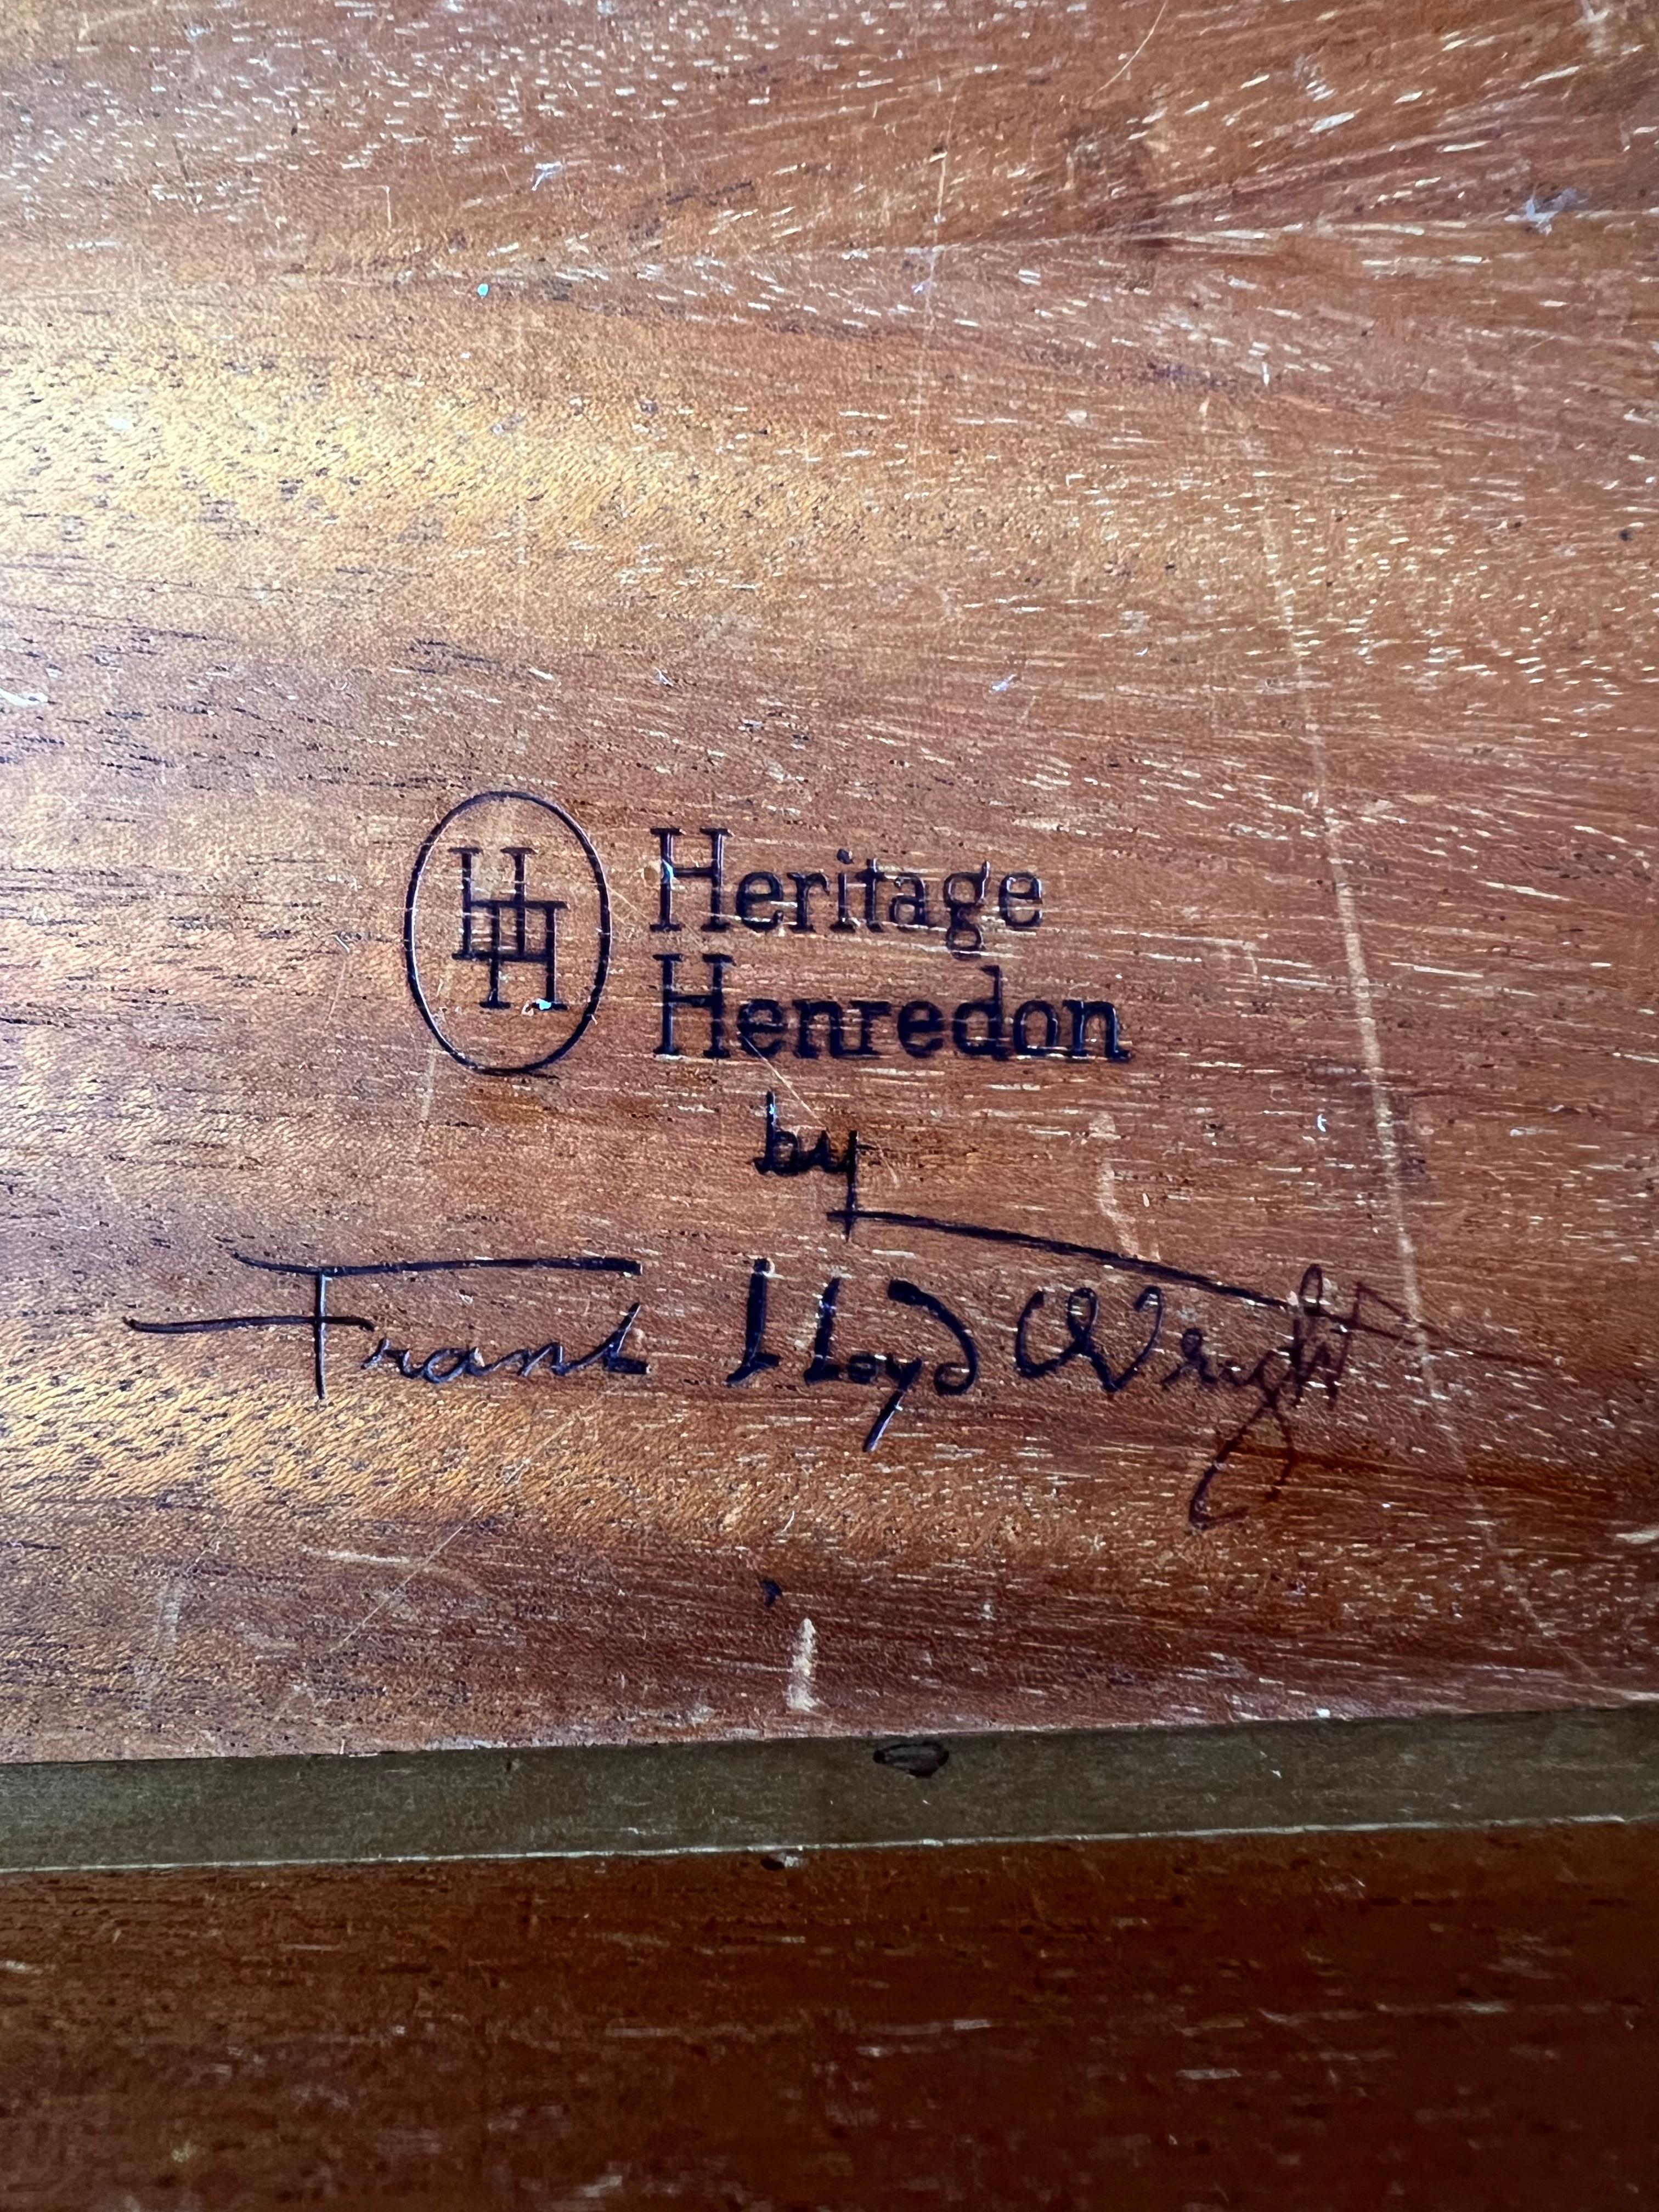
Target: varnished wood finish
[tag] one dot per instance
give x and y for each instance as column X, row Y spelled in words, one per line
column 1202, row 454
column 1457, row 2022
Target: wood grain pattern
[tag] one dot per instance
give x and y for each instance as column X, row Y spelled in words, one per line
column 1466, row 2022
column 1201, row 454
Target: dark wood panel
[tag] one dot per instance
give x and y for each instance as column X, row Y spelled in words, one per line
column 1466, row 2022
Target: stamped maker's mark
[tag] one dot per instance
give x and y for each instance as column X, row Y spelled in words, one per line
column 509, row 884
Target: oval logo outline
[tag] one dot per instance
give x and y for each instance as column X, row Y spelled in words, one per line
column 412, row 906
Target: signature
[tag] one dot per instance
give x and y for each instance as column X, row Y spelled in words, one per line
column 1261, row 1395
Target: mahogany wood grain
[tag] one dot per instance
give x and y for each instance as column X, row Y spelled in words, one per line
column 1198, row 453
column 1461, row 2023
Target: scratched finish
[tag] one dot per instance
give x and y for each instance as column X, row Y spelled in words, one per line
column 1196, row 458
column 1464, row 2022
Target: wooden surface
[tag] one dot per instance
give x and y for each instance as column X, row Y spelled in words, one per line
column 1200, row 456
column 1462, row 2023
